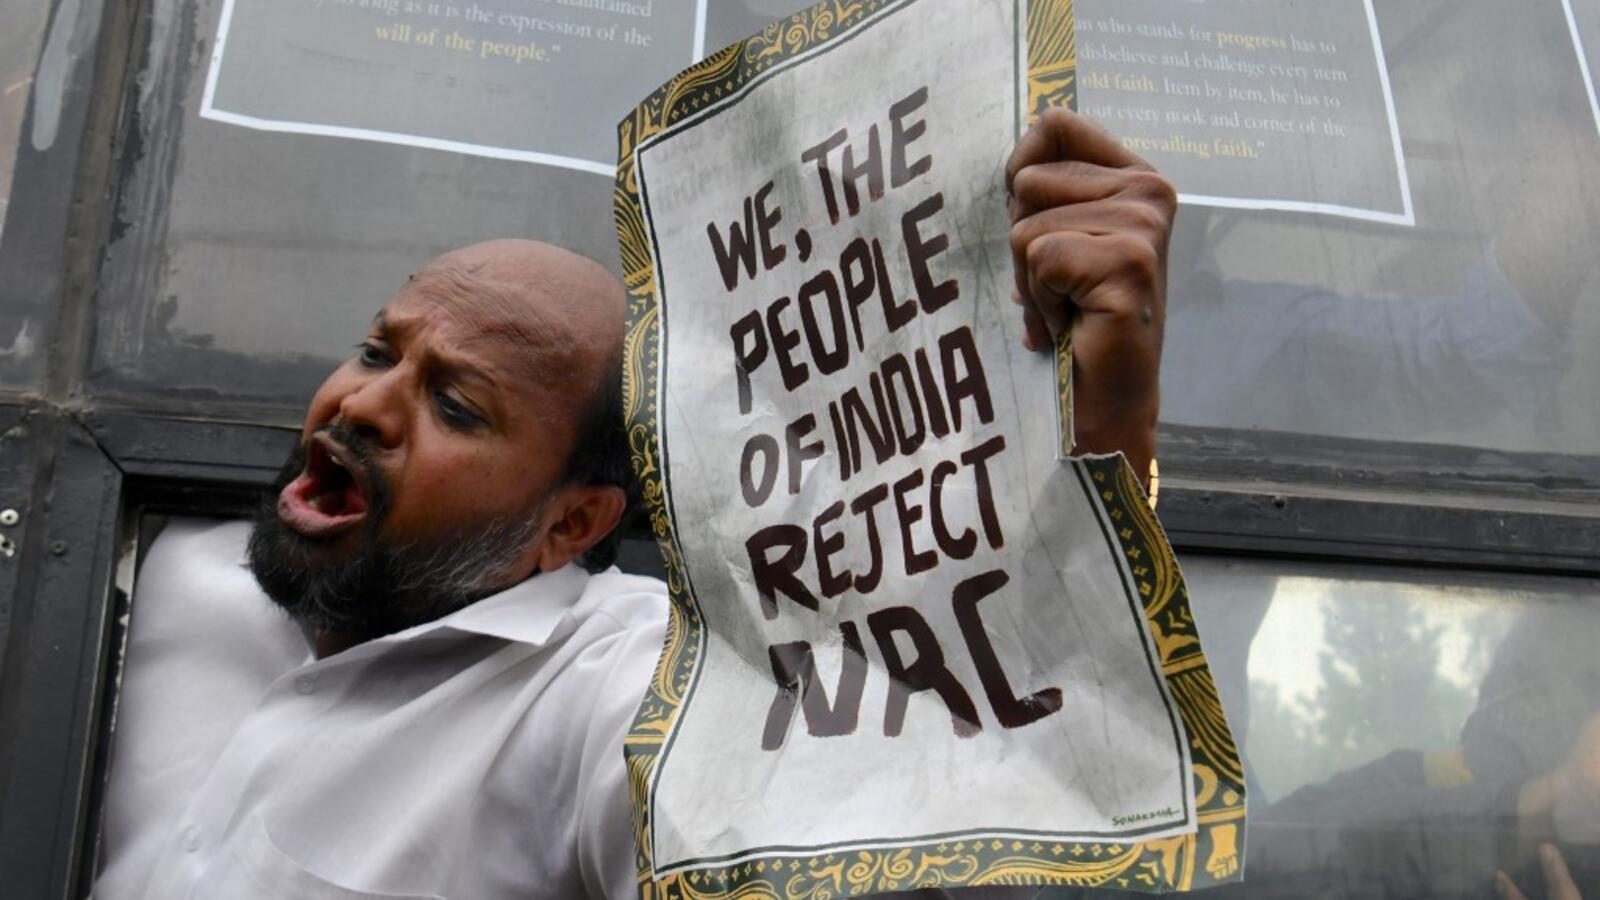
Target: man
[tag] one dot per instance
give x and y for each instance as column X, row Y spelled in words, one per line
column 442, row 712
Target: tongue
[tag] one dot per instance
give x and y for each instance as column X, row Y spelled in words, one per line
column 317, row 510
column 328, row 504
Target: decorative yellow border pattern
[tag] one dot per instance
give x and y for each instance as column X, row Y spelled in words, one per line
column 1211, row 856
column 1053, row 81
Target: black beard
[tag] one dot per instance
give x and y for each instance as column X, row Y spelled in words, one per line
column 379, row 587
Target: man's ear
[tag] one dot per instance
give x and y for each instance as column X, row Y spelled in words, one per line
column 577, row 518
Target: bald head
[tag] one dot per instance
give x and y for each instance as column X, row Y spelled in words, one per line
column 512, row 268
column 537, row 295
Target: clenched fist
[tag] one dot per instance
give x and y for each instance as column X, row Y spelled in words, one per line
column 1090, row 223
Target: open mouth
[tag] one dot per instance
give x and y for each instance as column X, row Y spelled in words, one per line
column 330, row 495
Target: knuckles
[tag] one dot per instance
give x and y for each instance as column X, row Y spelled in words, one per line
column 1147, row 218
column 1133, row 232
column 1141, row 196
column 1120, row 237
column 1138, row 259
column 1148, row 185
column 1022, row 234
column 1050, row 256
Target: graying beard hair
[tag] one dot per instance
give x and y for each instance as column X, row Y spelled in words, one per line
column 451, row 577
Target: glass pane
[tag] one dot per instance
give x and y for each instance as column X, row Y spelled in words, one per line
column 736, row 19
column 1474, row 326
column 247, row 259
column 21, row 29
column 1406, row 733
column 262, row 235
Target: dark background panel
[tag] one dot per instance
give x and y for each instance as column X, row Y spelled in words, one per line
column 172, row 290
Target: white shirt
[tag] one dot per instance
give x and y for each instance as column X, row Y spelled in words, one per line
column 477, row 756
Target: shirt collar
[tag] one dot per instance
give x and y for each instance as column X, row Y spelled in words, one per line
column 527, row 612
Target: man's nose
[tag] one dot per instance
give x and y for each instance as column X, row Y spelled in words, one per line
column 376, row 409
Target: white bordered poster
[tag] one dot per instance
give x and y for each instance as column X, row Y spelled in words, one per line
column 910, row 644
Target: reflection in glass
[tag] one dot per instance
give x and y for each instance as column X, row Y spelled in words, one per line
column 21, row 29
column 23, row 339
column 1476, row 327
column 244, row 258
column 1407, row 734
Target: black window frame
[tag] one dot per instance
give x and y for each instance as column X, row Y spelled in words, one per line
column 82, row 471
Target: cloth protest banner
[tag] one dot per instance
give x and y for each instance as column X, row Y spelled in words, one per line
column 911, row 644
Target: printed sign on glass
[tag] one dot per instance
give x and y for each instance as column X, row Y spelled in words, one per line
column 492, row 78
column 1251, row 105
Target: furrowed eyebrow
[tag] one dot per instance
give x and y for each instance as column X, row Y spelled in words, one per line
column 448, row 367
column 452, row 368
column 388, row 330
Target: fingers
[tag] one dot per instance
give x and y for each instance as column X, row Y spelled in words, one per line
column 1506, row 889
column 1051, row 297
column 1062, row 253
column 1100, row 273
column 1558, row 881
column 1061, row 134
column 1047, row 184
column 1035, row 334
column 1096, row 217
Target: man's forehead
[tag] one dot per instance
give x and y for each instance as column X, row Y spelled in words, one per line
column 520, row 307
column 471, row 318
column 516, row 344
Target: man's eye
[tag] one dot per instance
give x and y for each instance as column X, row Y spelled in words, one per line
column 371, row 355
column 455, row 413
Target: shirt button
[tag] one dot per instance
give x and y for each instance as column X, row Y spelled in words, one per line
column 306, row 684
column 191, row 838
